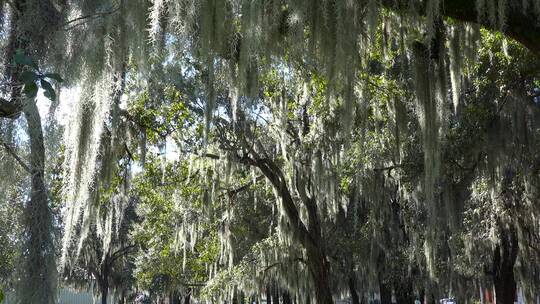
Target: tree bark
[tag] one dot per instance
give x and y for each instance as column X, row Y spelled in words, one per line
column 40, row 260
column 275, row 295
column 404, row 292
column 287, row 298
column 504, row 259
column 38, row 285
column 104, row 286
column 521, row 24
column 386, row 293
column 318, row 266
column 310, row 237
column 317, row 261
column 352, row 290
column 268, row 295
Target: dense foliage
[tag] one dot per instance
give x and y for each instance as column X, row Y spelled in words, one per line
column 293, row 151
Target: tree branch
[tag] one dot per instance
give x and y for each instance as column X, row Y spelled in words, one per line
column 210, row 155
column 521, row 25
column 90, row 16
column 21, row 162
column 390, row 168
column 234, row 192
column 194, row 284
column 119, row 253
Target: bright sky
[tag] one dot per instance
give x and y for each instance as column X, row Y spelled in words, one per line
column 68, row 98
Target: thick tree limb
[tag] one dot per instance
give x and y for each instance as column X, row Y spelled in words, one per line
column 21, row 162
column 392, row 167
column 521, row 25
column 121, row 252
column 210, row 155
column 276, row 264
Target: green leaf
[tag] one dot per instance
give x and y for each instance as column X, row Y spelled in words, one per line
column 50, row 95
column 49, row 90
column 22, row 59
column 28, row 77
column 46, row 85
column 30, row 90
column 54, row 76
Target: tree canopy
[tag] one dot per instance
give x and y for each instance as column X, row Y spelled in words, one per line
column 293, row 151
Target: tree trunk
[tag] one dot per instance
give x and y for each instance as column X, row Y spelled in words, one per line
column 174, row 298
column 104, row 282
column 187, row 297
column 286, row 298
column 268, row 295
column 386, row 293
column 38, row 284
column 104, row 293
column 104, row 286
column 352, row 290
column 275, row 296
column 504, row 259
column 317, row 262
column 318, row 266
column 311, row 236
column 404, row 293
column 40, row 260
